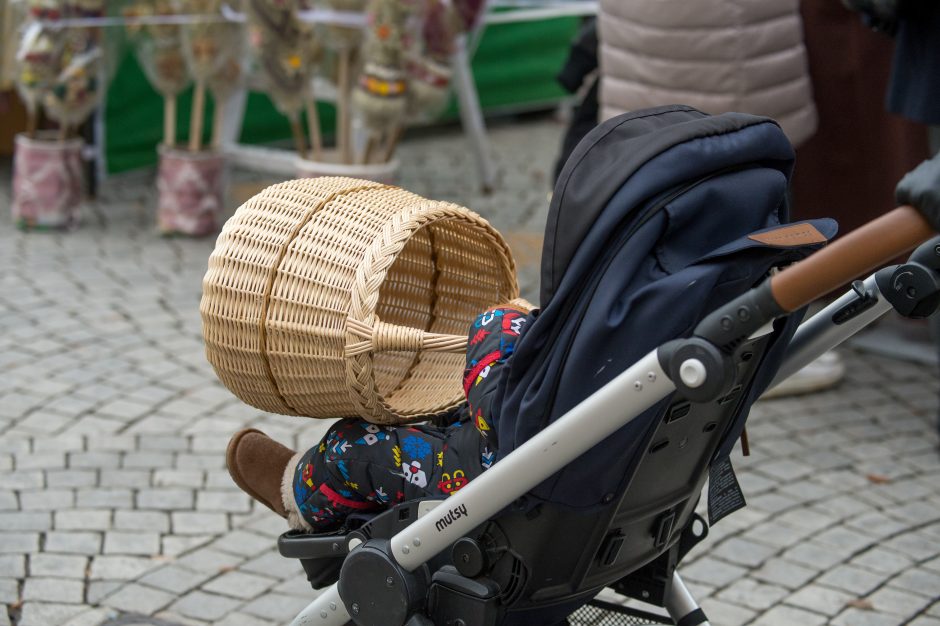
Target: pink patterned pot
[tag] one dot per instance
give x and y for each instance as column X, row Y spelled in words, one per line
column 190, row 188
column 47, row 182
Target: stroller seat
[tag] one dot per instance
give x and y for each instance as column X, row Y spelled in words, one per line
column 627, row 392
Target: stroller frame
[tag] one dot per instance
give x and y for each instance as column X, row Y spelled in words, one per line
column 696, row 367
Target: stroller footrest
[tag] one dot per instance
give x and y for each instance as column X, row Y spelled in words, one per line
column 320, row 555
column 300, row 545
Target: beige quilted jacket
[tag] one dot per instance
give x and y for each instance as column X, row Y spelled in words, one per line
column 715, row 55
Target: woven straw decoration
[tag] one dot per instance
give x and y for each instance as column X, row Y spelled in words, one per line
column 338, row 297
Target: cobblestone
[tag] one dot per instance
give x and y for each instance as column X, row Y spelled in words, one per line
column 206, row 606
column 114, row 498
column 53, row 590
column 58, row 565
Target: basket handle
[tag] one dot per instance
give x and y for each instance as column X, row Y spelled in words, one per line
column 382, row 337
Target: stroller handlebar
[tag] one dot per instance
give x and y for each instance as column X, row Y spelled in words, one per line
column 865, row 248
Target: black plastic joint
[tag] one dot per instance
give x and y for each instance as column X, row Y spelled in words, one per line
column 376, row 590
column 718, row 368
column 913, row 288
column 731, row 324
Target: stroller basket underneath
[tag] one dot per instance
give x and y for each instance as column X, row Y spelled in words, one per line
column 600, row 613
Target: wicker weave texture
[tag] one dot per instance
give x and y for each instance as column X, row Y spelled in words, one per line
column 337, row 297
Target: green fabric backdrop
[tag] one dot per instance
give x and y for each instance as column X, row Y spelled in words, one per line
column 514, row 65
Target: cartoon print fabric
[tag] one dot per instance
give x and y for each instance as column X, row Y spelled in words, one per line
column 361, row 467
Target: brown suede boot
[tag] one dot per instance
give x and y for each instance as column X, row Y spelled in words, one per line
column 258, row 464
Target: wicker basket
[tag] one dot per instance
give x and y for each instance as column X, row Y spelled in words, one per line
column 338, row 297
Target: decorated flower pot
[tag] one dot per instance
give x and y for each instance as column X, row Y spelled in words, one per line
column 190, row 192
column 47, row 182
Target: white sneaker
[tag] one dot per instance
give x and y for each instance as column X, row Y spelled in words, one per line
column 823, row 373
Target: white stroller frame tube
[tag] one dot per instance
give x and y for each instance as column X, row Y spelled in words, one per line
column 599, row 415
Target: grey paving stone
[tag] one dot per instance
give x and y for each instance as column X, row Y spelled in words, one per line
column 784, row 573
column 239, row 585
column 82, row 519
column 91, row 617
column 73, row 542
column 174, row 545
column 856, row 617
column 226, row 501
column 743, row 552
column 47, row 499
column 73, row 477
column 46, row 613
column 53, row 590
column 920, row 581
column 205, row 606
column 9, row 501
column 132, row 478
column 148, row 460
column 883, row 561
column 156, row 521
column 185, row 523
column 300, row 586
column 752, row 594
column 40, row 460
column 26, row 520
column 917, row 545
column 9, row 591
column 855, row 580
column 58, row 565
column 820, row 599
column 845, row 539
column 95, row 460
column 13, row 565
column 18, row 542
column 723, row 613
column 813, row 554
column 279, row 607
column 131, row 542
column 120, row 567
column 246, row 544
column 135, row 598
column 193, row 479
column 897, row 602
column 31, row 479
column 113, row 498
column 207, row 560
column 789, row 616
column 175, row 579
column 98, row 589
column 274, row 565
column 241, row 619
column 776, row 534
column 165, row 499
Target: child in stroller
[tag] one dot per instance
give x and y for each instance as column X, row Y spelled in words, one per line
column 361, row 467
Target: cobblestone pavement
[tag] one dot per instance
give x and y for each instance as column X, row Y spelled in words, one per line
column 115, row 504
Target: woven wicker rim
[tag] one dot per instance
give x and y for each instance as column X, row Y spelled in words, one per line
column 366, row 333
column 336, row 297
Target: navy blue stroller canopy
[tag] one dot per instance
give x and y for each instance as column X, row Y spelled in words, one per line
column 650, row 228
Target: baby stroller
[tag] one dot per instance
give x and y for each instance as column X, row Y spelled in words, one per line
column 661, row 323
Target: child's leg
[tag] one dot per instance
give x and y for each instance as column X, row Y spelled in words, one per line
column 361, row 467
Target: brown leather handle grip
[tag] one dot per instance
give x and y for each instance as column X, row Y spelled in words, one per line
column 876, row 243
